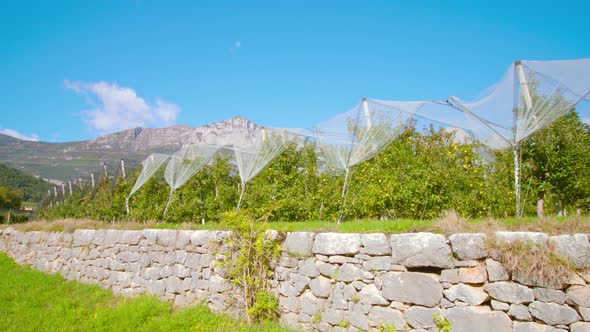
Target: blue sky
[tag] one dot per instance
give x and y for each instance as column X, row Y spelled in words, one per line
column 73, row 70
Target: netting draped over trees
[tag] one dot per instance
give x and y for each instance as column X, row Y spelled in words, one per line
column 149, row 168
column 254, row 153
column 184, row 164
column 530, row 96
column 352, row 137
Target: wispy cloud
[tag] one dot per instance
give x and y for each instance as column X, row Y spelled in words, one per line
column 116, row 108
column 236, row 46
column 16, row 134
column 586, row 120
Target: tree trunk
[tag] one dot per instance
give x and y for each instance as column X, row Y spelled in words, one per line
column 540, row 207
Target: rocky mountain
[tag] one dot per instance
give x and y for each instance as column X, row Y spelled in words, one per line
column 62, row 161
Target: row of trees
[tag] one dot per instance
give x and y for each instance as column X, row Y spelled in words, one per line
column 10, row 199
column 422, row 173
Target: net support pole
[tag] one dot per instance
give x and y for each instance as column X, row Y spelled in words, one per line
column 168, row 203
column 92, row 180
column 243, row 185
column 70, row 186
column 123, row 168
column 528, row 101
column 367, row 113
column 343, row 196
column 517, row 181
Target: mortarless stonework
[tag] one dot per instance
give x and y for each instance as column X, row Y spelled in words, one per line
column 325, row 281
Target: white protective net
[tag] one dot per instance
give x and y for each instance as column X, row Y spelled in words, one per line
column 352, row 137
column 149, row 167
column 257, row 151
column 530, row 96
column 184, row 164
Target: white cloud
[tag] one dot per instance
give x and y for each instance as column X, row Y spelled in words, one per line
column 586, row 120
column 236, row 46
column 16, row 134
column 116, row 108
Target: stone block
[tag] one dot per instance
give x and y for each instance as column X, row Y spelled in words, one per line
column 299, row 243
column 375, row 244
column 468, row 246
column 468, row 294
column 553, row 313
column 579, row 295
column 336, row 244
column 411, row 287
column 575, row 248
column 509, row 292
column 421, row 317
column 549, row 295
column 481, row 319
column 421, row 250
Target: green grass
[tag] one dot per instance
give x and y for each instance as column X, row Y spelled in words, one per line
column 35, row 301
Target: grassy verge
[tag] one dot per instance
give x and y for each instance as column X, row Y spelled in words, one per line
column 34, row 301
column 448, row 223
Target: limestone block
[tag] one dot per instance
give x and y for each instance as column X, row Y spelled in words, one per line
column 468, row 246
column 375, row 244
column 549, row 295
column 481, row 319
column 411, row 287
column 421, row 317
column 575, row 248
column 467, row 294
column 509, row 292
column 299, row 243
column 496, row 271
column 553, row 313
column 579, row 295
column 421, row 250
column 321, row 286
column 520, row 312
column 336, row 244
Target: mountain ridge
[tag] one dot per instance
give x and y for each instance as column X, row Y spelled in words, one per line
column 70, row 160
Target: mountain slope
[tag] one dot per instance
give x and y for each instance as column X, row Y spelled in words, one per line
column 70, row 160
column 31, row 187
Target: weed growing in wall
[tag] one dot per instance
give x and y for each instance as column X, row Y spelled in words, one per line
column 248, row 259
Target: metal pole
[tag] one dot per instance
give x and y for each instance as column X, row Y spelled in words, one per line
column 70, row 186
column 106, row 175
column 92, row 180
column 123, row 168
column 80, row 183
column 367, row 114
column 528, row 100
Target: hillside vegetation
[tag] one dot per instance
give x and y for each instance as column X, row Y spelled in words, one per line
column 30, row 187
column 423, row 172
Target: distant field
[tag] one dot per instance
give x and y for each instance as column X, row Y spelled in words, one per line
column 34, row 301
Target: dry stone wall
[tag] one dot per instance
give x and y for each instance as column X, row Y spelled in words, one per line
column 331, row 281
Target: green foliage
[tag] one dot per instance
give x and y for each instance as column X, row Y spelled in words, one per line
column 422, row 173
column 556, row 163
column 30, row 187
column 9, row 199
column 386, row 328
column 248, row 258
column 443, row 324
column 26, row 295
